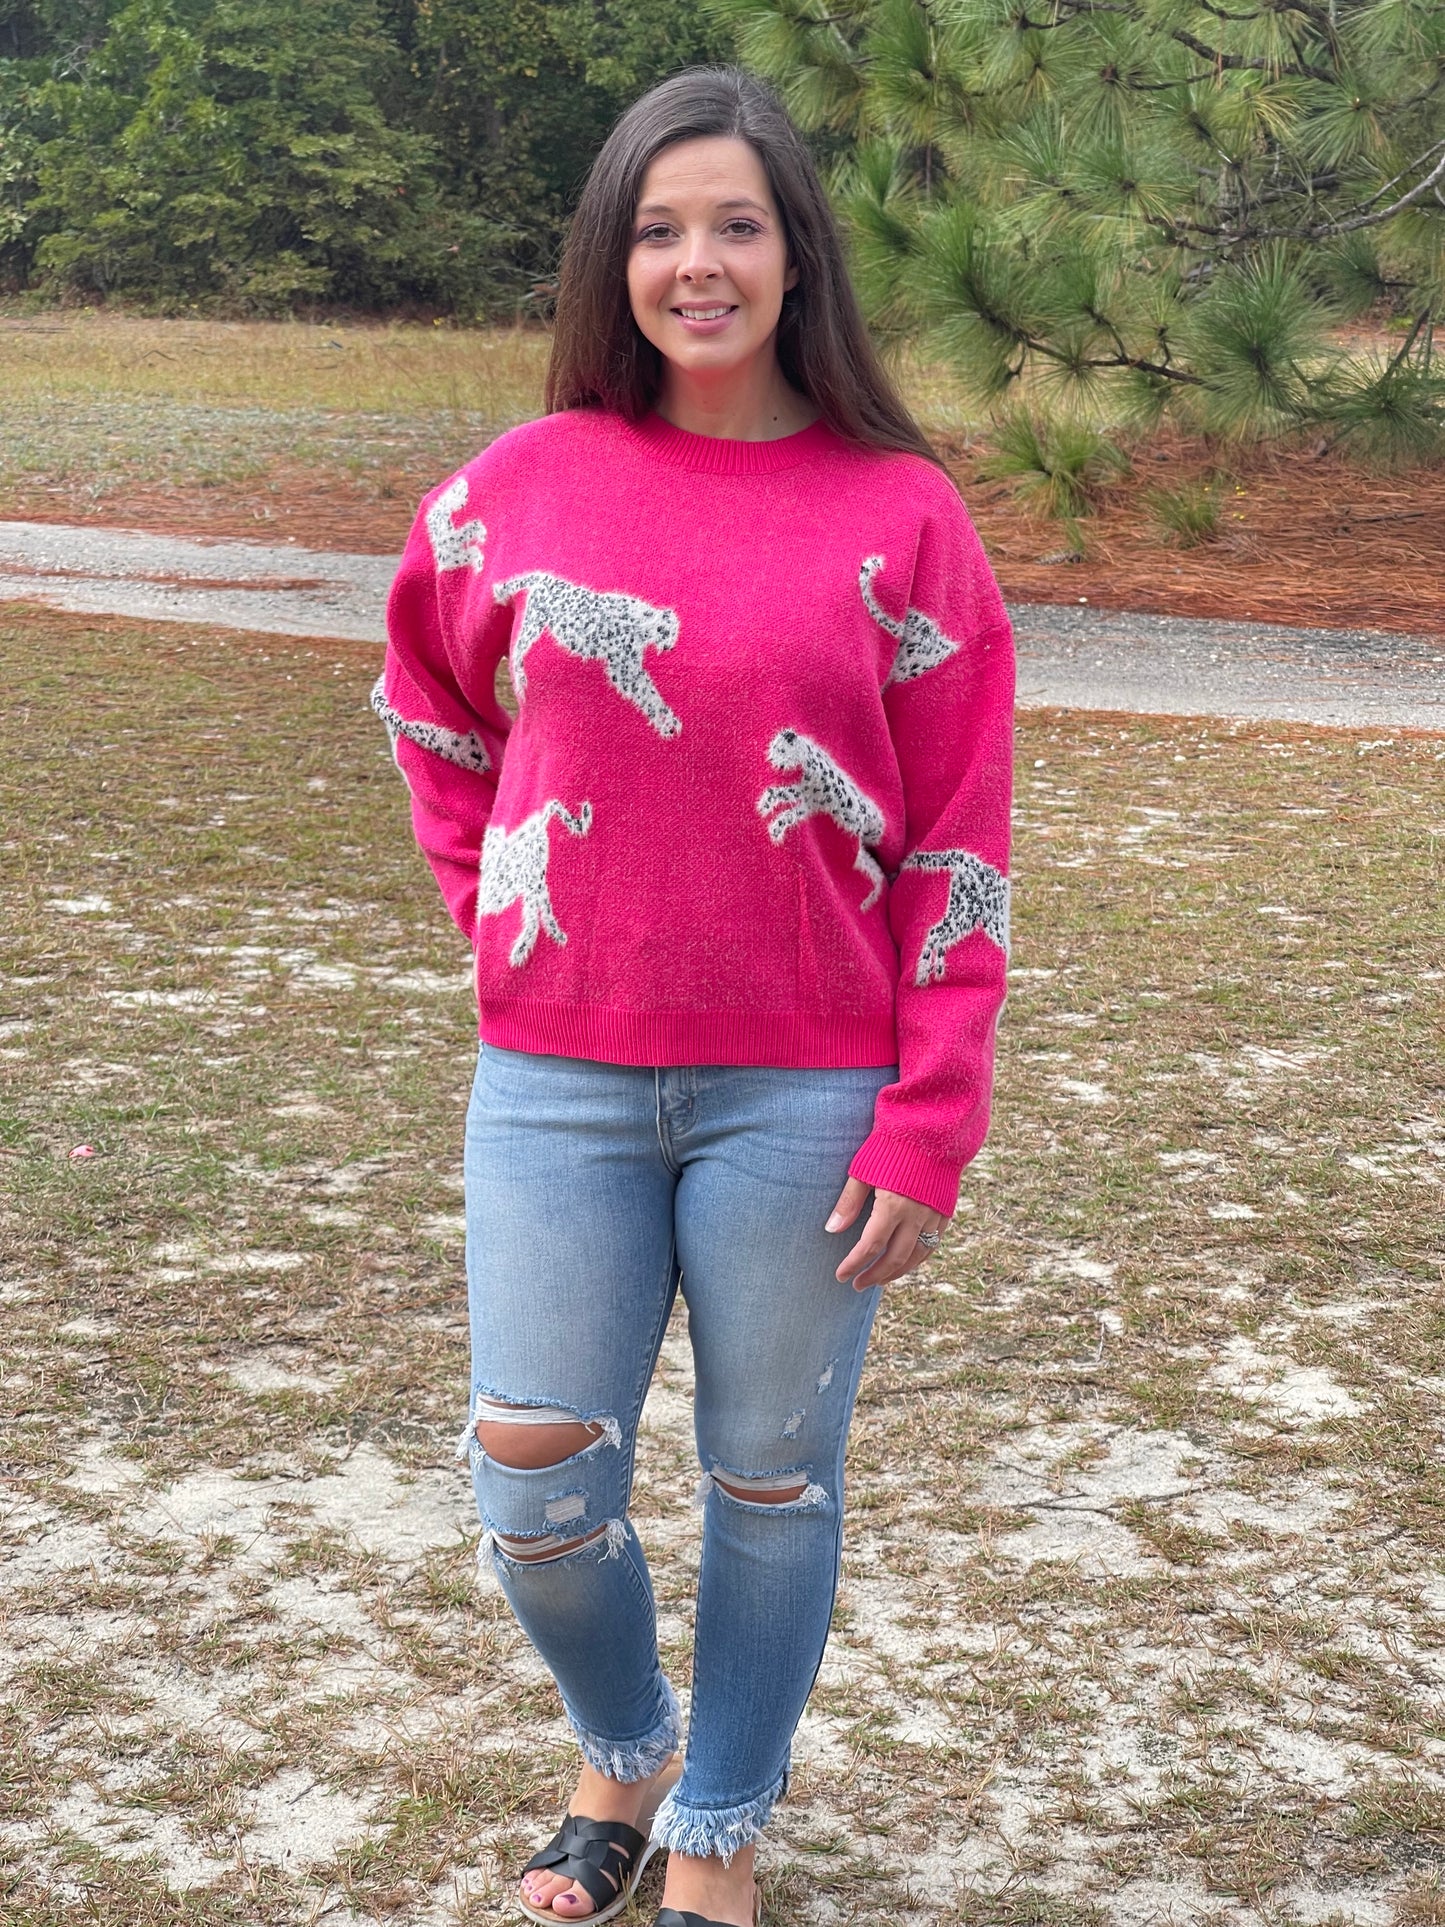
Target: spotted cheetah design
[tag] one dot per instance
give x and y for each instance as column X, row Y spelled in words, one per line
column 598, row 626
column 514, row 865
column 454, row 547
column 822, row 789
column 467, row 752
column 978, row 899
column 922, row 645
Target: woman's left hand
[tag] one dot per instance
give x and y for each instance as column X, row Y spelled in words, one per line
column 888, row 1245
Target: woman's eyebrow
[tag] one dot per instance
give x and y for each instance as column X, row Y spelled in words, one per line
column 661, row 207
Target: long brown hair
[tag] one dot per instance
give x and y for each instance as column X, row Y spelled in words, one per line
column 601, row 359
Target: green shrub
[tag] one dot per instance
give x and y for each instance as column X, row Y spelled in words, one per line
column 1186, row 516
column 1059, row 466
column 261, row 155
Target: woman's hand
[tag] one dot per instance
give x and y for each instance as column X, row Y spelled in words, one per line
column 889, row 1243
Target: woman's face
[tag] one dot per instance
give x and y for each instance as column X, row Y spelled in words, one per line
column 709, row 261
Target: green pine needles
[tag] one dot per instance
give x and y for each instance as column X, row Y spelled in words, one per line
column 1057, row 465
column 1142, row 208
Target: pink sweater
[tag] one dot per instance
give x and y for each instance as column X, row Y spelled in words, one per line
column 754, row 808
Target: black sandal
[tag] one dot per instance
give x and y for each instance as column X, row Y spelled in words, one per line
column 679, row 1917
column 605, row 1858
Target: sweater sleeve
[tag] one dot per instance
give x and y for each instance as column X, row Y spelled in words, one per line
column 949, row 702
column 436, row 694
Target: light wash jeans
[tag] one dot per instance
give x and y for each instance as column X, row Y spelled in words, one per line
column 592, row 1190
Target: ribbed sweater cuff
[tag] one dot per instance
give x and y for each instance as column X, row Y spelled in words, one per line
column 892, row 1163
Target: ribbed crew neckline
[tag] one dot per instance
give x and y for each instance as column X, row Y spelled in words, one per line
column 716, row 455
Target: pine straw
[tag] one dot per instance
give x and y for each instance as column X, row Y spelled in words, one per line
column 1305, row 539
column 1318, row 543
column 1142, row 1615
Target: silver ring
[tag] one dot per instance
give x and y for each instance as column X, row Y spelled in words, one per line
column 930, row 1240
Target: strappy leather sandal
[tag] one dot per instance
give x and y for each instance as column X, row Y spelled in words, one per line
column 680, row 1917
column 606, row 1859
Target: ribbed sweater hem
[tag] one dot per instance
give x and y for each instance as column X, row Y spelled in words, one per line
column 774, row 1038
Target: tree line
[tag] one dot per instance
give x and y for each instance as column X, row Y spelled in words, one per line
column 267, row 154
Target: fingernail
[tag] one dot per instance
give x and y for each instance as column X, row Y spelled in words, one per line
column 835, row 1223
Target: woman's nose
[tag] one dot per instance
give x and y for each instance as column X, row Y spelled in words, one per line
column 699, row 261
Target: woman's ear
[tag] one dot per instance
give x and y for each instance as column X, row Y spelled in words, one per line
column 790, row 277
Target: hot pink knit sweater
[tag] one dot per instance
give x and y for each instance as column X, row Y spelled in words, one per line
column 755, row 805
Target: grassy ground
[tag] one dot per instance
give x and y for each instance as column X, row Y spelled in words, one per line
column 1143, row 1617
column 102, row 406
column 100, row 409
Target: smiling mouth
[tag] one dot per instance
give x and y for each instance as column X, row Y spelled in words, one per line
column 706, row 314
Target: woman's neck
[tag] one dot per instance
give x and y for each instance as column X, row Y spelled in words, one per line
column 751, row 405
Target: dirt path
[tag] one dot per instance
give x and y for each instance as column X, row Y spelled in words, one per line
column 1070, row 656
column 1105, row 659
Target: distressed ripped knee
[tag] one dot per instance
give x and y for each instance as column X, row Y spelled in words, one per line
column 540, row 1446
column 538, row 1552
column 531, row 1437
column 769, row 1489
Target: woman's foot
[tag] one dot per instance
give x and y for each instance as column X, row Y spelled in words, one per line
column 707, row 1887
column 597, row 1798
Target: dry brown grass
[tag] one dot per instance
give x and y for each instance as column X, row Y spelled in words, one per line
column 365, row 369
column 1142, row 1617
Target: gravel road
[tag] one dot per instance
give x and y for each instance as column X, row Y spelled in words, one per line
column 287, row 591
column 1185, row 666
column 1069, row 656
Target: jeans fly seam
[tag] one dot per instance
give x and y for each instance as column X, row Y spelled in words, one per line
column 662, row 1135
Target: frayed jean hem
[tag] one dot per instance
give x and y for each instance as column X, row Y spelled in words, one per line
column 702, row 1832
column 639, row 1759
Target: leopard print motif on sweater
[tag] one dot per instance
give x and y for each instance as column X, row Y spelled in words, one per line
column 467, row 752
column 978, row 899
column 514, row 864
column 922, row 645
column 453, row 547
column 598, row 626
column 822, row 789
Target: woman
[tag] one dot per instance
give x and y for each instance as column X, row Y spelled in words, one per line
column 735, row 879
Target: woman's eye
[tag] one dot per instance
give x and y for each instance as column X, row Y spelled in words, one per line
column 653, row 234
column 742, row 227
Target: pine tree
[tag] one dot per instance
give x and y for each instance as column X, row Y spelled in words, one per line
column 1145, row 207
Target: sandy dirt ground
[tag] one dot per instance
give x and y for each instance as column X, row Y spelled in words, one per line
column 1142, row 1621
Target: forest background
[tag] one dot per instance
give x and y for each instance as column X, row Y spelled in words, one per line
column 1143, row 1617
column 257, row 156
column 1099, row 236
